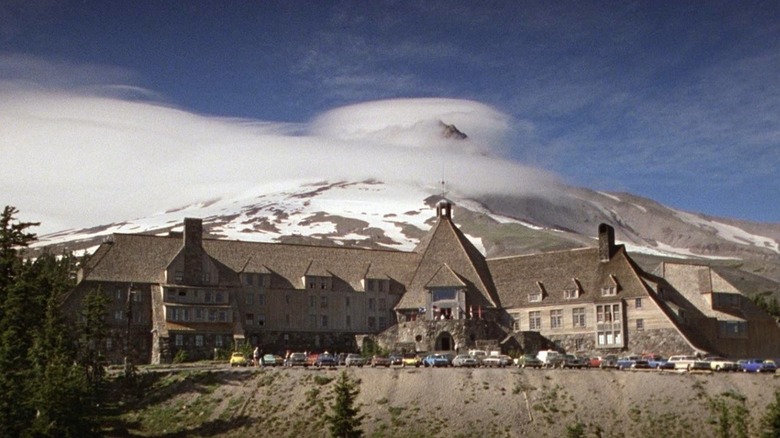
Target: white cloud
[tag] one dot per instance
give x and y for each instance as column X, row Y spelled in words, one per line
column 76, row 159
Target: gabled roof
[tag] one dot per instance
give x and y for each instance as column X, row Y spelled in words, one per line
column 143, row 258
column 444, row 277
column 446, row 244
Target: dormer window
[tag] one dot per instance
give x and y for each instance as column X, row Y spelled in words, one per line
column 377, row 285
column 572, row 292
column 611, row 288
column 536, row 296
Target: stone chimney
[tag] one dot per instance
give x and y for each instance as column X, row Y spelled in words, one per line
column 193, row 251
column 444, row 209
column 606, row 242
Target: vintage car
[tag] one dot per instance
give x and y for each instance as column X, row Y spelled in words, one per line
column 354, row 360
column 608, row 361
column 297, row 360
column 757, row 366
column 572, row 361
column 436, row 361
column 498, row 361
column 325, row 360
column 411, row 360
column 379, row 360
column 528, row 361
column 464, row 361
column 237, row 359
column 718, row 363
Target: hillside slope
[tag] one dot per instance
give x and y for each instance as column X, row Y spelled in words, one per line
column 421, row 402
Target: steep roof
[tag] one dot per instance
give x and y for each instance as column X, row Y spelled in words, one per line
column 446, row 246
column 142, row 258
column 517, row 277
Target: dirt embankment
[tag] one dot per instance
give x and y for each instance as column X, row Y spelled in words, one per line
column 404, row 402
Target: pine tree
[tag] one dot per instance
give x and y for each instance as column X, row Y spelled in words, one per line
column 770, row 422
column 13, row 235
column 93, row 331
column 345, row 419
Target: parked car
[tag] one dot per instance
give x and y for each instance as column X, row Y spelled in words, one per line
column 682, row 362
column 700, row 365
column 479, row 355
column 237, row 359
column 528, row 361
column 354, row 360
column 655, row 361
column 411, row 360
column 464, row 361
column 499, row 361
column 572, row 361
column 269, row 360
column 396, row 359
column 718, row 363
column 627, row 362
column 297, row 360
column 550, row 358
column 379, row 360
column 325, row 360
column 608, row 361
column 757, row 366
column 341, row 358
column 436, row 360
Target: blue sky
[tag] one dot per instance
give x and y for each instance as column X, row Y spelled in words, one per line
column 675, row 101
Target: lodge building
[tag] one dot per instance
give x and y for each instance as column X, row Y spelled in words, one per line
column 183, row 292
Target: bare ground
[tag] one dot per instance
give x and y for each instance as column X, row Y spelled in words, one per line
column 412, row 402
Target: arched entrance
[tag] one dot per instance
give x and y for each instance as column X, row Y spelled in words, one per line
column 444, row 342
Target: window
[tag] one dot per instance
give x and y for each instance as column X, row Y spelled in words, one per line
column 382, row 304
column 346, row 301
column 199, row 314
column 609, row 327
column 556, row 318
column 260, row 300
column 324, row 302
column 218, row 340
column 515, row 321
column 212, row 315
column 609, row 291
column 248, row 278
column 349, row 321
column 178, row 276
column 179, row 340
column 250, row 298
column 732, row 329
column 371, row 322
column 219, row 297
column 535, row 297
column 119, row 315
column 250, row 319
column 371, row 304
column 185, row 314
column 109, row 344
column 640, row 325
column 118, row 293
column 198, row 340
column 137, row 297
column 208, row 296
column 260, row 320
column 444, row 294
column 535, row 320
column 182, row 293
column 382, row 322
column 579, row 344
column 324, row 321
column 638, row 303
column 313, row 321
column 222, row 316
column 571, row 294
column 312, row 302
column 578, row 317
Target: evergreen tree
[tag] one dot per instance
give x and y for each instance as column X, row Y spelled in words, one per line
column 770, row 422
column 345, row 419
column 13, row 235
column 94, row 330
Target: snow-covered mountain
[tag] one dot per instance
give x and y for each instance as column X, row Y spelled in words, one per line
column 395, row 215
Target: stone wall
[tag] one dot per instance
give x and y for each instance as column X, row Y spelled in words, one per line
column 428, row 335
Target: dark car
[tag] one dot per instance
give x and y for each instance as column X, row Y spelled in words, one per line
column 325, row 360
column 396, row 359
column 529, row 361
column 297, row 360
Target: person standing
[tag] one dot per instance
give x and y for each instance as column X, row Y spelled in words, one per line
column 256, row 356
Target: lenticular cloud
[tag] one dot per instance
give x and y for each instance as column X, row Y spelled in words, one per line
column 76, row 159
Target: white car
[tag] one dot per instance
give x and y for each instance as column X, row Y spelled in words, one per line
column 354, row 360
column 464, row 361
